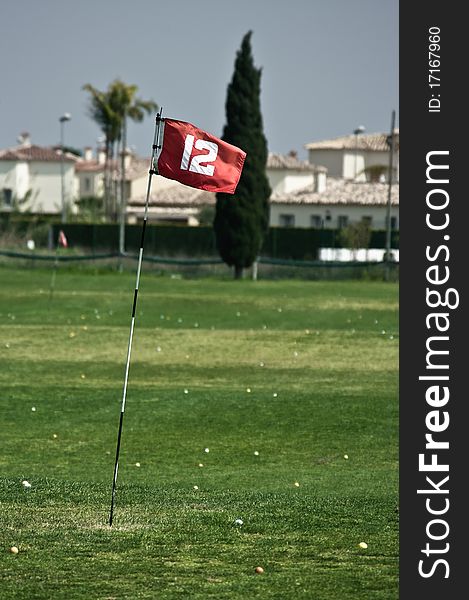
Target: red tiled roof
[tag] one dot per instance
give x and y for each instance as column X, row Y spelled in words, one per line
column 34, row 153
column 338, row 192
column 89, row 166
column 282, row 161
column 342, row 192
column 363, row 141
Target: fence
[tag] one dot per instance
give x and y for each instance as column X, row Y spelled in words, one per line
column 183, row 250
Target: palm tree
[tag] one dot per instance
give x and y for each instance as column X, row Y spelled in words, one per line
column 101, row 112
column 123, row 102
column 110, row 110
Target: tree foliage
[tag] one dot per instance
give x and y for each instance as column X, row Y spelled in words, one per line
column 355, row 236
column 242, row 219
column 110, row 109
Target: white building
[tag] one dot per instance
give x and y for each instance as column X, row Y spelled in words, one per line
column 359, row 157
column 341, row 203
column 31, row 178
column 171, row 201
column 350, row 185
column 90, row 173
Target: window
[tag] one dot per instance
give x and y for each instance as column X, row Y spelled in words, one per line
column 393, row 223
column 316, row 221
column 87, row 184
column 367, row 220
column 342, row 221
column 7, row 197
column 286, row 220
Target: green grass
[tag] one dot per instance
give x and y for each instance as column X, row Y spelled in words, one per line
column 320, row 361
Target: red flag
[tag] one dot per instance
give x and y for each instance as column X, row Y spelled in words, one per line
column 62, row 239
column 199, row 159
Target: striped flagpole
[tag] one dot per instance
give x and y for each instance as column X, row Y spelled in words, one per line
column 54, row 273
column 156, row 146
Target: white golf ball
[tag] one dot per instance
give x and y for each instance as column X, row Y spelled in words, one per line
column 238, row 522
column 26, row 484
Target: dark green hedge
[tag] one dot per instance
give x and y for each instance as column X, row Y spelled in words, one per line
column 176, row 240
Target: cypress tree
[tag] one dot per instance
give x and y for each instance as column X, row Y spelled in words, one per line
column 242, row 219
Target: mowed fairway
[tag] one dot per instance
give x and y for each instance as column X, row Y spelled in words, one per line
column 291, row 386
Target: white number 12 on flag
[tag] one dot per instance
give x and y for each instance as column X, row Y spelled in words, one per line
column 194, row 165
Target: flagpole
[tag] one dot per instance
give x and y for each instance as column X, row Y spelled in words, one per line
column 155, row 147
column 54, row 270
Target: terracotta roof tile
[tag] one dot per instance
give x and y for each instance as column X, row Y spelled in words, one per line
column 89, row 166
column 342, row 192
column 32, row 152
column 364, row 141
column 282, row 161
column 177, row 195
column 338, row 192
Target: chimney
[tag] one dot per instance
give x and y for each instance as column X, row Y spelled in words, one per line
column 127, row 158
column 320, row 181
column 101, row 156
column 293, row 154
column 88, row 153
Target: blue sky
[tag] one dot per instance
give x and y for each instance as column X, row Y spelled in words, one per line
column 328, row 66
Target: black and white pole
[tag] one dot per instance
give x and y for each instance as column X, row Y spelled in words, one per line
column 390, row 142
column 54, row 273
column 156, row 146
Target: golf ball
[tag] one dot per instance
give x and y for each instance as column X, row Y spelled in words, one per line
column 26, row 484
column 238, row 522
column 14, row 550
column 259, row 570
column 363, row 545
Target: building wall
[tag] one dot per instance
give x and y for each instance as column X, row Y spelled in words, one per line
column 14, row 176
column 139, row 186
column 329, row 215
column 348, row 164
column 331, row 159
column 94, row 187
column 45, row 183
column 283, row 181
column 353, row 165
column 371, row 159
